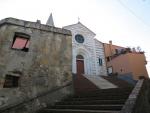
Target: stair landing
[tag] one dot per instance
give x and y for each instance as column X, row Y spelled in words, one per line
column 100, row 82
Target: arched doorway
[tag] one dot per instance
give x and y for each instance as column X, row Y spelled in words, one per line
column 80, row 64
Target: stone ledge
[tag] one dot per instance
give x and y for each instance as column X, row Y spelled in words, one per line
column 34, row 25
column 132, row 99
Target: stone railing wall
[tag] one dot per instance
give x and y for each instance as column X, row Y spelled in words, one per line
column 139, row 99
column 38, row 102
column 143, row 101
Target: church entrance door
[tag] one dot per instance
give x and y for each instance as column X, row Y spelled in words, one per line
column 80, row 64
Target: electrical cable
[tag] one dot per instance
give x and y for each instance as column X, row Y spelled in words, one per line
column 133, row 13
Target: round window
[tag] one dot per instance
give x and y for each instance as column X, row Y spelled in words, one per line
column 79, row 38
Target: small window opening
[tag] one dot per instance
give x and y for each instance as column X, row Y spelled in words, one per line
column 110, row 70
column 108, row 59
column 121, row 69
column 100, row 62
column 141, row 77
column 116, row 51
column 21, row 42
column 11, row 81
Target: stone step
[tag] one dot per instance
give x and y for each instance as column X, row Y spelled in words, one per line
column 89, row 107
column 107, row 97
column 112, row 90
column 97, row 101
column 76, row 111
column 105, row 93
column 90, row 102
column 102, row 94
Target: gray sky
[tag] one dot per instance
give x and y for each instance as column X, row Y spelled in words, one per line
column 125, row 22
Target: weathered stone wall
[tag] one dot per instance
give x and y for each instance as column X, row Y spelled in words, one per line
column 139, row 99
column 45, row 66
column 143, row 101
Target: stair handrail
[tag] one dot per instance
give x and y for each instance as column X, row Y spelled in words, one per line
column 15, row 104
column 133, row 97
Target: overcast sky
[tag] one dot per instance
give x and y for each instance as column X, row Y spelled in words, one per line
column 125, row 22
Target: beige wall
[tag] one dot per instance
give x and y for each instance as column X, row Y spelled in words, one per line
column 137, row 63
column 120, row 64
column 133, row 62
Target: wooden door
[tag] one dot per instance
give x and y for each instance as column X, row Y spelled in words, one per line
column 80, row 67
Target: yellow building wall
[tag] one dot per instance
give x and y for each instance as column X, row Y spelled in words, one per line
column 137, row 63
column 129, row 63
column 134, row 62
column 120, row 64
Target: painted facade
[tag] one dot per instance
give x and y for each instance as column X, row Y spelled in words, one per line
column 84, row 44
column 124, row 61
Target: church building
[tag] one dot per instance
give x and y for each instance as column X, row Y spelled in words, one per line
column 88, row 53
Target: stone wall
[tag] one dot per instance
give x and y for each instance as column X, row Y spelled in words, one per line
column 139, row 99
column 143, row 101
column 46, row 66
column 99, row 50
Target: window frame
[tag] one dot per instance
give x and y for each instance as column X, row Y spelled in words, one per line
column 110, row 68
column 100, row 61
column 108, row 59
column 79, row 38
column 24, row 36
column 11, row 81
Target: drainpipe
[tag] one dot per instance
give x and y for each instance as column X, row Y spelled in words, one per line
column 110, row 47
column 105, row 58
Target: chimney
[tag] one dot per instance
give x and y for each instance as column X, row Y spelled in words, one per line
column 110, row 42
column 110, row 47
column 38, row 21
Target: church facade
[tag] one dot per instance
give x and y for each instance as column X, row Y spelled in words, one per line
column 87, row 52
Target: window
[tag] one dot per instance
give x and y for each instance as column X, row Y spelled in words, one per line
column 108, row 59
column 79, row 38
column 11, row 81
column 21, row 42
column 110, row 70
column 121, row 70
column 116, row 51
column 100, row 61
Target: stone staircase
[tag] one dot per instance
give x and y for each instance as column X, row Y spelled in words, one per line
column 82, row 84
column 99, row 101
